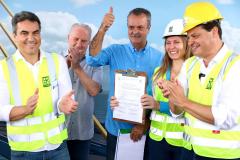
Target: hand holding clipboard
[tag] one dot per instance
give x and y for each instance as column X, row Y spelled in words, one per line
column 129, row 87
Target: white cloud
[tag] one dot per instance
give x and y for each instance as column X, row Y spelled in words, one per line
column 225, row 1
column 55, row 28
column 81, row 3
column 231, row 36
column 56, row 25
column 108, row 40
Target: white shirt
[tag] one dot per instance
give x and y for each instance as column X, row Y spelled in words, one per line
column 225, row 107
column 64, row 84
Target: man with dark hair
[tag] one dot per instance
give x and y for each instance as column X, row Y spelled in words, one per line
column 35, row 95
column 207, row 90
column 140, row 11
column 21, row 16
column 137, row 55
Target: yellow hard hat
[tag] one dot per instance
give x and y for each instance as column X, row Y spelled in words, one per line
column 200, row 13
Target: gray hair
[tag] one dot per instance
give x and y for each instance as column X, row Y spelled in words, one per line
column 82, row 25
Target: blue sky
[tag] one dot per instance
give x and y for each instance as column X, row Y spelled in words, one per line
column 58, row 15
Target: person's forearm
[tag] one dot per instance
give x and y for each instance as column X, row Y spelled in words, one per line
column 17, row 113
column 156, row 105
column 96, row 45
column 90, row 85
column 199, row 111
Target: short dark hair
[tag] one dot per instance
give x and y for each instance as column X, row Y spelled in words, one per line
column 210, row 25
column 22, row 16
column 139, row 11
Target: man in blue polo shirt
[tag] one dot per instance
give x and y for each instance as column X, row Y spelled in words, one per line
column 137, row 55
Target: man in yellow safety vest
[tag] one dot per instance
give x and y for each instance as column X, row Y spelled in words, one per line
column 34, row 95
column 207, row 89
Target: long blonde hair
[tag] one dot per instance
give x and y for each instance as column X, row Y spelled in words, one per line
column 167, row 61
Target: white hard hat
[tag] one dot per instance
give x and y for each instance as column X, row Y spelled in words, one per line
column 174, row 28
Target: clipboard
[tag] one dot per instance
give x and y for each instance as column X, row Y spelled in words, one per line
column 129, row 86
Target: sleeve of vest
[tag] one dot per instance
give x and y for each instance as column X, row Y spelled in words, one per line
column 64, row 81
column 182, row 78
column 5, row 106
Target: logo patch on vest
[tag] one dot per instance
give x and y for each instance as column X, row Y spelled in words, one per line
column 46, row 81
column 210, row 84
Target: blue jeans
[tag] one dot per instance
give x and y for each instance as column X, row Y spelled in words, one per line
column 61, row 153
column 5, row 149
column 161, row 150
column 78, row 149
column 186, row 154
column 111, row 146
column 197, row 157
column 2, row 158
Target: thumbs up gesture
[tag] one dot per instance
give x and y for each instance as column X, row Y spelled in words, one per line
column 107, row 20
column 67, row 105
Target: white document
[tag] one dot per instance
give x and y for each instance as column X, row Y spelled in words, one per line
column 128, row 91
column 126, row 149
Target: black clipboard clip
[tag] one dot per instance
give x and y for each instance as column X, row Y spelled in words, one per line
column 130, row 72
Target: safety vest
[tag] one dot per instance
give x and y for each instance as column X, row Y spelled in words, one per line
column 44, row 125
column 163, row 125
column 208, row 140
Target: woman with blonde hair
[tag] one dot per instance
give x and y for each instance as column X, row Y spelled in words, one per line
column 166, row 140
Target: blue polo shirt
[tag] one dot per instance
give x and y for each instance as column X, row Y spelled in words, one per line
column 123, row 57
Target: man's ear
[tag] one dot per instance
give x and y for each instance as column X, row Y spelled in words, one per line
column 14, row 35
column 215, row 31
column 68, row 36
column 149, row 27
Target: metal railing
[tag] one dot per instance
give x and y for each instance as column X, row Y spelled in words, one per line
column 4, row 52
column 96, row 121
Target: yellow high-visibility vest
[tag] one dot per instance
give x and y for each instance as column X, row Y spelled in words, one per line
column 164, row 125
column 34, row 131
column 208, row 140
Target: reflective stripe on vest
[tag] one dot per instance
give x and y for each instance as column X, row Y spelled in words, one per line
column 33, row 131
column 163, row 125
column 207, row 140
column 52, row 73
